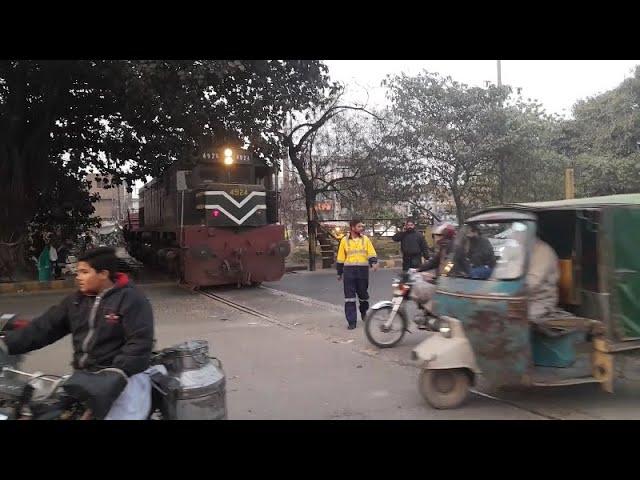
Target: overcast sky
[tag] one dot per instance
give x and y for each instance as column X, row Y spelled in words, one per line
column 557, row 84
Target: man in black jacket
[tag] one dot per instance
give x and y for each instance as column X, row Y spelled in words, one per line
column 110, row 322
column 412, row 245
column 475, row 257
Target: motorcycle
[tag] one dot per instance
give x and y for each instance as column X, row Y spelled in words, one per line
column 386, row 322
column 187, row 384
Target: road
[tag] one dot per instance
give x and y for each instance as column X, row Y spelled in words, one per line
column 308, row 368
column 322, row 284
column 574, row 402
column 304, row 364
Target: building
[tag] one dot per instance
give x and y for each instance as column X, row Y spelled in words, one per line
column 114, row 201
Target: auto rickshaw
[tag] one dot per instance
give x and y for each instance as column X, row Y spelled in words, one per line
column 486, row 327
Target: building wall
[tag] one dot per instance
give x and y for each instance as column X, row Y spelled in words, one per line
column 114, row 201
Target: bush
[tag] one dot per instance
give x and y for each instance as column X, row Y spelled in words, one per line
column 385, row 247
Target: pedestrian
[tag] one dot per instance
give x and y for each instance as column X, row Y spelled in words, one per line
column 412, row 245
column 355, row 256
column 47, row 260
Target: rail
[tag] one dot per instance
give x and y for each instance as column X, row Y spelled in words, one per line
column 243, row 308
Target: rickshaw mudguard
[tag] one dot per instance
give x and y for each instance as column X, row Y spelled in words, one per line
column 493, row 315
column 438, row 352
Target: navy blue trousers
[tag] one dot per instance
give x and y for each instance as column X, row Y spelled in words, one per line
column 356, row 286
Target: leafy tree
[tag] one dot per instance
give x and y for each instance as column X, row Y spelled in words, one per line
column 445, row 135
column 332, row 153
column 603, row 140
column 130, row 119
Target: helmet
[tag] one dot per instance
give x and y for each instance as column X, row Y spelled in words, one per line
column 447, row 231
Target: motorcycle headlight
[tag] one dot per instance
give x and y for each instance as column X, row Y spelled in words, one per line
column 400, row 289
column 445, row 330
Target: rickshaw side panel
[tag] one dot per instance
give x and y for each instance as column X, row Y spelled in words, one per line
column 622, row 224
column 494, row 316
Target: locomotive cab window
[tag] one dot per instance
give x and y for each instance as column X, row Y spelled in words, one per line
column 264, row 177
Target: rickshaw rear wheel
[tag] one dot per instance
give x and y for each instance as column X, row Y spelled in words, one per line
column 446, row 388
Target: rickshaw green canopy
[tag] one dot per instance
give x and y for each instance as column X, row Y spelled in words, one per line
column 618, row 251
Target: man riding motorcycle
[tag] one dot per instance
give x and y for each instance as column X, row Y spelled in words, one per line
column 443, row 237
column 112, row 328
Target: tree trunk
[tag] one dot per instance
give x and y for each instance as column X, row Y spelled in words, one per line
column 311, row 226
column 459, row 206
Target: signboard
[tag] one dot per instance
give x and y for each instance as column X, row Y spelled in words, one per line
column 181, row 180
column 324, row 206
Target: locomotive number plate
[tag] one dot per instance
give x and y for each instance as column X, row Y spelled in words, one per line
column 239, row 192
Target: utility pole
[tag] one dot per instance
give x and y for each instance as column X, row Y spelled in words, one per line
column 499, row 74
column 569, row 184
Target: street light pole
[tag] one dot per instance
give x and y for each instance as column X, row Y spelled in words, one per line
column 499, row 74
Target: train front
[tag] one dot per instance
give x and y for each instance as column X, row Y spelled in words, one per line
column 231, row 235
column 224, row 215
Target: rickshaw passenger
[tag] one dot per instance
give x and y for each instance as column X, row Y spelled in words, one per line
column 476, row 257
column 542, row 281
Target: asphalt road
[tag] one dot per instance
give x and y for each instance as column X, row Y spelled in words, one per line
column 306, row 365
column 322, row 285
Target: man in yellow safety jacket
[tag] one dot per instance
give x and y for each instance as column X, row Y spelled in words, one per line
column 355, row 255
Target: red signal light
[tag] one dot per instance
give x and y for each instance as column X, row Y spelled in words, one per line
column 215, row 213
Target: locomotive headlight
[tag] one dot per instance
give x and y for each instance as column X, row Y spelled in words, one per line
column 228, row 156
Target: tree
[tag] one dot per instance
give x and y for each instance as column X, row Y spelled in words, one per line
column 444, row 136
column 131, row 119
column 291, row 203
column 116, row 115
column 603, row 140
column 331, row 155
column 524, row 165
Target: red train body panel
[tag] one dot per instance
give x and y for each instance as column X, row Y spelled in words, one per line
column 224, row 256
column 215, row 224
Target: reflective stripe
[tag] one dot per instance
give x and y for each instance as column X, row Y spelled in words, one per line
column 346, row 300
column 356, row 264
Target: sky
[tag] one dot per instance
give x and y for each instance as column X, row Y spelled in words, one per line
column 557, row 84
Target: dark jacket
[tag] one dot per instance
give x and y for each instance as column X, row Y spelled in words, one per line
column 412, row 244
column 434, row 262
column 120, row 335
column 477, row 253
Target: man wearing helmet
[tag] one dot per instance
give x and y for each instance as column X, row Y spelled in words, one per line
column 443, row 236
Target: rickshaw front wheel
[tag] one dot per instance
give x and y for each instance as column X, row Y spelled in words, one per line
column 446, row 388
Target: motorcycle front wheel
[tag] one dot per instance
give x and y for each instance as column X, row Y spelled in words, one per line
column 373, row 327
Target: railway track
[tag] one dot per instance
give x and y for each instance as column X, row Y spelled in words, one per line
column 243, row 308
